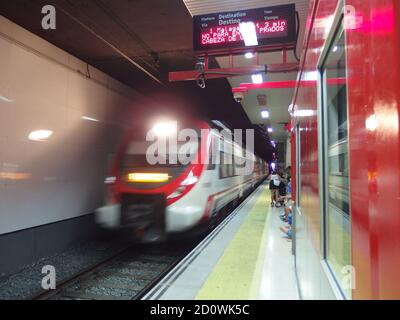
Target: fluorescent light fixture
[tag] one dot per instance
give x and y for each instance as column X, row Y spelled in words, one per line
column 257, row 78
column 40, row 135
column 5, row 99
column 270, row 130
column 164, row 129
column 89, row 119
column 265, row 114
column 249, row 55
column 304, row 113
column 248, row 31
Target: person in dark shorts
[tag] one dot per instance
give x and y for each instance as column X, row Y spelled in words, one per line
column 281, row 194
column 275, row 181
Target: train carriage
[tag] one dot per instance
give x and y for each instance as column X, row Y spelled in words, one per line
column 190, row 187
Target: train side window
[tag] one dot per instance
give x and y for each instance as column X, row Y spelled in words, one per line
column 224, row 166
column 212, row 157
column 231, row 166
column 336, row 195
column 240, row 163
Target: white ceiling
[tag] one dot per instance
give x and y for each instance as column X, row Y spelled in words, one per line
column 278, row 100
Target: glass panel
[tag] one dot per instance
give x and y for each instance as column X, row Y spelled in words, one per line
column 338, row 209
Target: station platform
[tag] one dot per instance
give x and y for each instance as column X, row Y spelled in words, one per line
column 245, row 257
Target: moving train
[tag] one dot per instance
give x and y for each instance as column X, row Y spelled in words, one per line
column 175, row 178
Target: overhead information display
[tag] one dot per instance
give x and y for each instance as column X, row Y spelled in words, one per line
column 246, row 28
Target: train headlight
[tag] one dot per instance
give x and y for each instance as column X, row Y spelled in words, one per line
column 148, row 177
column 165, row 129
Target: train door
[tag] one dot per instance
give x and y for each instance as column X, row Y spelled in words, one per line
column 211, row 173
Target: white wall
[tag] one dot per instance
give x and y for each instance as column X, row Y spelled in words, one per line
column 45, row 182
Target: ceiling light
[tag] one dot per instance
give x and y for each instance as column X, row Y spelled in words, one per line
column 248, row 31
column 89, row 119
column 257, row 78
column 40, row 135
column 265, row 114
column 270, row 130
column 249, row 55
column 335, row 49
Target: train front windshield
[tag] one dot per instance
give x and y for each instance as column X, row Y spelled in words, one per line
column 144, row 165
column 147, row 154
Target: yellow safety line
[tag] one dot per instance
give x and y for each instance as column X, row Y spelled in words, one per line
column 236, row 274
column 255, row 287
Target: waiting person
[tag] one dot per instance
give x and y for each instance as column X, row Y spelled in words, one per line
column 287, row 213
column 287, row 231
column 285, row 192
column 288, row 217
column 282, row 192
column 275, row 181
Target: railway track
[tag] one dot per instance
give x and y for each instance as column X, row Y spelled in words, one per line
column 127, row 275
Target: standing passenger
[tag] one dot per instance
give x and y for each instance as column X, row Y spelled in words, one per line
column 275, row 181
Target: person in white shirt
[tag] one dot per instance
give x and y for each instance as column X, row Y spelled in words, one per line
column 275, row 181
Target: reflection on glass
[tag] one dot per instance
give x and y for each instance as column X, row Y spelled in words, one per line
column 15, row 176
column 338, row 209
column 40, row 135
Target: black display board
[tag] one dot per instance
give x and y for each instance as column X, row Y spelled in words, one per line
column 218, row 31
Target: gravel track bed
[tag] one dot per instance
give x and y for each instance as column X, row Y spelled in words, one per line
column 27, row 282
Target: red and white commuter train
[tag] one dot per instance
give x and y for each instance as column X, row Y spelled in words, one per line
column 155, row 200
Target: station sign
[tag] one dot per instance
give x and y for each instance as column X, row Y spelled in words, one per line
column 245, row 28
